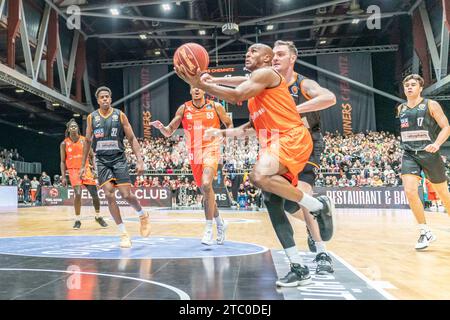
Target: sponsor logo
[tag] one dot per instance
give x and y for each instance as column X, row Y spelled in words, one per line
column 257, row 113
column 99, row 133
column 294, row 90
column 404, row 123
column 70, row 149
column 115, row 117
column 53, row 192
column 209, row 107
column 189, row 116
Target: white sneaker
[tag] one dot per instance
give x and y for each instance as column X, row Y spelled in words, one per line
column 221, row 230
column 208, row 237
column 425, row 238
column 125, row 241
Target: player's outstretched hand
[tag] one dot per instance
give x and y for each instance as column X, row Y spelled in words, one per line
column 212, row 133
column 157, row 124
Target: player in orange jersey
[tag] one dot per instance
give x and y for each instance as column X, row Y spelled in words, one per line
column 285, row 147
column 196, row 116
column 71, row 150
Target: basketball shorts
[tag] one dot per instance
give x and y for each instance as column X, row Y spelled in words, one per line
column 74, row 177
column 430, row 163
column 293, row 151
column 207, row 157
column 113, row 170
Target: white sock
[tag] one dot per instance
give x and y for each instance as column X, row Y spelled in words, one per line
column 140, row 213
column 77, row 218
column 97, row 214
column 209, row 224
column 310, row 203
column 293, row 256
column 219, row 220
column 122, row 228
column 424, row 227
column 321, row 247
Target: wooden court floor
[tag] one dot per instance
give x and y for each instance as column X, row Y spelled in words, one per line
column 379, row 243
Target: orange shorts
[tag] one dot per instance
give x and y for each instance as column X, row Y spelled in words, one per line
column 74, row 177
column 293, row 150
column 208, row 157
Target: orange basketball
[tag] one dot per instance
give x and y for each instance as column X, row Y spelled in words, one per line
column 191, row 56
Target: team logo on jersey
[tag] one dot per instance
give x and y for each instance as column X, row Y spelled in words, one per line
column 422, row 106
column 115, row 117
column 208, row 107
column 404, row 123
column 70, row 149
column 294, row 90
column 189, row 116
column 99, row 133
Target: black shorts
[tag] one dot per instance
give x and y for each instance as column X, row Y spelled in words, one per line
column 308, row 174
column 430, row 163
column 113, row 170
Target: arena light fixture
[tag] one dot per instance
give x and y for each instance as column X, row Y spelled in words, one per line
column 269, row 27
column 20, row 91
column 143, row 36
column 355, row 21
column 202, row 32
column 55, row 104
column 19, row 126
column 41, row 132
column 114, row 11
column 157, row 52
column 166, row 7
column 76, row 115
column 323, row 42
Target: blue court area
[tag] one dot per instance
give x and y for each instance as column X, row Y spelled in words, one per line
column 107, row 247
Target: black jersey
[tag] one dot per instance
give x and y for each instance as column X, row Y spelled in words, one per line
column 417, row 127
column 310, row 119
column 108, row 134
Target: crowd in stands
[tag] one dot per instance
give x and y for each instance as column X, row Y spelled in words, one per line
column 367, row 160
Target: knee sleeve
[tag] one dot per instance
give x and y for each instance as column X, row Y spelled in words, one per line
column 291, row 206
column 280, row 221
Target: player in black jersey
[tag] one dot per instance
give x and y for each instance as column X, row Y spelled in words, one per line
column 310, row 98
column 423, row 129
column 106, row 128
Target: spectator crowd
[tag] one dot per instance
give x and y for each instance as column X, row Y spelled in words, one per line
column 370, row 159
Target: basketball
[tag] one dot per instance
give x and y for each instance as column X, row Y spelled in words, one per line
column 191, row 56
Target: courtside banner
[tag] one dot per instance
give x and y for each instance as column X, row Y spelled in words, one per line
column 367, row 197
column 148, row 197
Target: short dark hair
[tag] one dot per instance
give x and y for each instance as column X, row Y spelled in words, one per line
column 103, row 88
column 414, row 77
column 68, row 125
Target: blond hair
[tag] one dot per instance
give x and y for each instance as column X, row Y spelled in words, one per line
column 289, row 44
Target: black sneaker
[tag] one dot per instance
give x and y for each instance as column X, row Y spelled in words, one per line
column 101, row 222
column 77, row 225
column 325, row 218
column 311, row 242
column 324, row 263
column 298, row 276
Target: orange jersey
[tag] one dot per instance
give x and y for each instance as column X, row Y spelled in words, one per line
column 273, row 111
column 196, row 120
column 74, row 152
column 279, row 128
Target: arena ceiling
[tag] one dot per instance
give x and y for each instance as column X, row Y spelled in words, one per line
column 152, row 30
